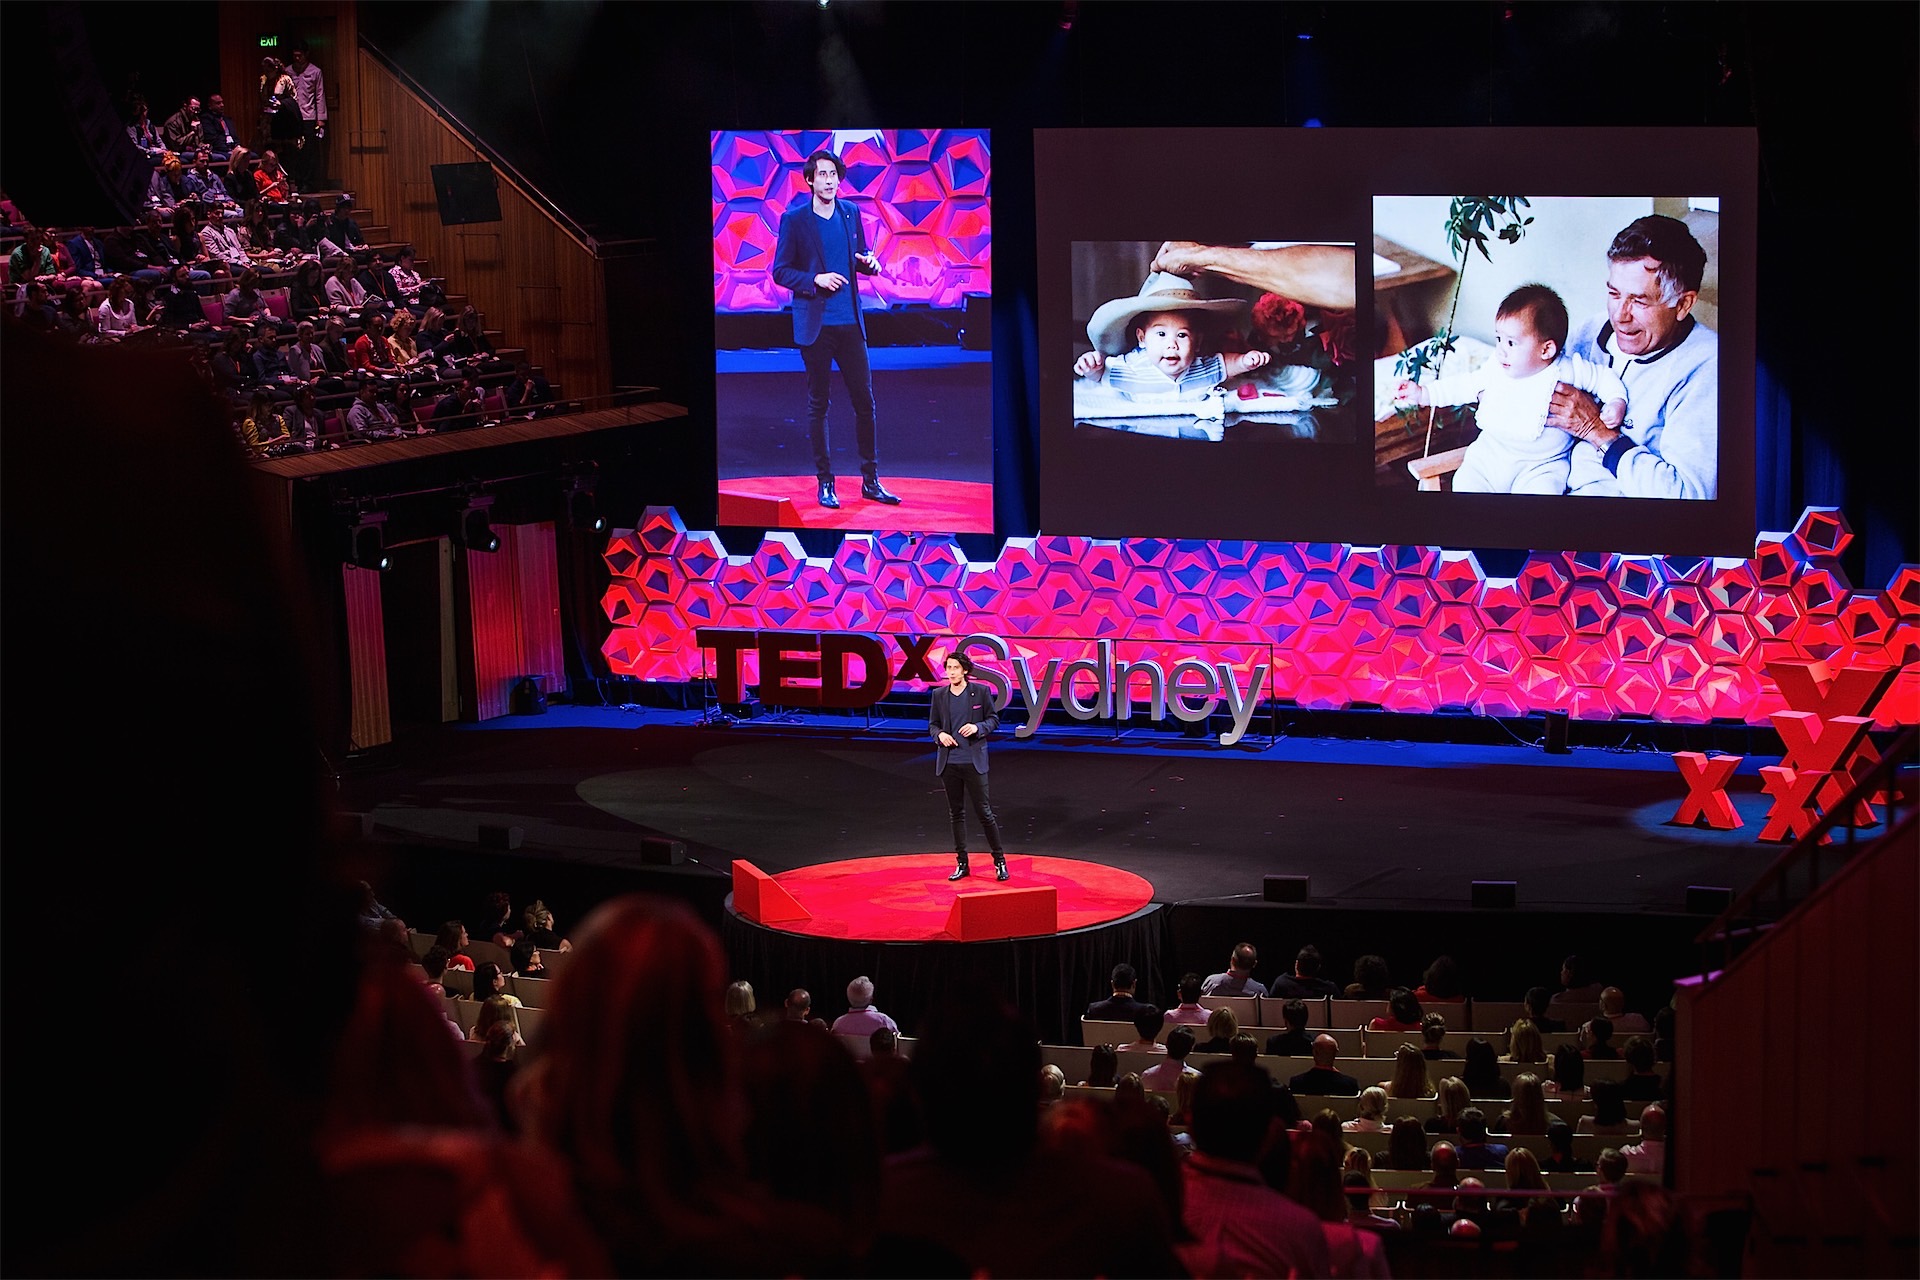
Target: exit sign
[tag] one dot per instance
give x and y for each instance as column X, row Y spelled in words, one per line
column 269, row 42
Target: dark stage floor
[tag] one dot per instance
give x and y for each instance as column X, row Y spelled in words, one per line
column 1375, row 825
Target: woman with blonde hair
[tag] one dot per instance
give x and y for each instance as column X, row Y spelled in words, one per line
column 740, row 1005
column 1448, row 1102
column 1524, row 1043
column 1372, row 1112
column 1409, row 1075
column 1528, row 1114
column 1222, row 1027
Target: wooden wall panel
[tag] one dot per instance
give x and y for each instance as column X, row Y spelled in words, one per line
column 372, row 718
column 527, row 274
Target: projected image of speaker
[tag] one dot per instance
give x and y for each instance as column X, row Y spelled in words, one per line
column 466, row 193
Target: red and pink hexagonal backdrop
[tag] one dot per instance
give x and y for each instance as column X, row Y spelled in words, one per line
column 1406, row 628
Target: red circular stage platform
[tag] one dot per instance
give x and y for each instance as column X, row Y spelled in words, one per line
column 907, row 898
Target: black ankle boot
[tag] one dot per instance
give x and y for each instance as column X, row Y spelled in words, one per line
column 960, row 869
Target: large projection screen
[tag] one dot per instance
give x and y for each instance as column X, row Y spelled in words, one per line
column 794, row 353
column 1333, row 339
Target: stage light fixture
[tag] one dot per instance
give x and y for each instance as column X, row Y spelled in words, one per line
column 366, row 541
column 582, row 509
column 476, row 525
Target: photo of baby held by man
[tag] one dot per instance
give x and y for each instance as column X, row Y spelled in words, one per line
column 1214, row 342
column 1570, row 347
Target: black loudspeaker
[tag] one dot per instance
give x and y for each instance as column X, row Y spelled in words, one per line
column 976, row 333
column 493, row 837
column 1285, row 889
column 658, row 851
column 466, row 193
column 1495, row 893
column 1556, row 741
column 348, row 828
column 1708, row 899
column 527, row 698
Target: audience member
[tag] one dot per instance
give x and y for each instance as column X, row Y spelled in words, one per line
column 1294, row 1042
column 1481, row 1071
column 1103, row 1067
column 1560, row 1157
column 1403, row 1013
column 1406, row 1145
column 526, row 960
column 1238, row 979
column 1596, row 1040
column 1241, row 1226
column 181, row 130
column 89, row 256
column 1322, row 1080
column 1370, row 1117
column 1053, row 1085
column 1643, row 1082
column 1409, row 1079
column 1569, row 1083
column 540, row 927
column 1164, row 1077
column 494, row 1069
column 1314, row 1184
column 338, row 229
column 1649, row 1155
column 1576, row 982
column 310, row 101
column 1609, row 1111
column 1433, row 1039
column 740, row 1007
column 1222, row 1028
column 262, row 429
column 1539, row 1000
column 529, row 395
column 497, row 1010
column 1119, row 1006
column 217, row 129
column 799, row 1009
column 371, row 418
column 462, row 405
column 1524, row 1043
column 115, row 317
column 861, row 1018
column 1147, row 1026
column 1305, row 983
column 238, row 177
column 1441, row 985
column 1371, row 980
column 1473, row 1148
column 1449, row 1100
column 1528, row 1114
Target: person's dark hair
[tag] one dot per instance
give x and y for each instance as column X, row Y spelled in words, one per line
column 483, row 979
column 1433, row 1029
column 1103, row 1066
column 1295, row 1014
column 1371, row 975
column 1123, row 975
column 1683, row 263
column 1545, row 313
column 1244, row 1047
column 1574, row 971
column 1442, row 979
column 1560, row 1138
column 1638, row 1051
column 1307, row 963
column 883, row 1042
column 1407, row 1145
column 1473, row 1125
column 1232, row 1104
column 839, row 167
column 1404, row 1006
column 1190, row 988
column 435, row 961
column 522, row 953
column 1359, row 1190
column 811, row 1134
column 1569, row 1068
column 1245, row 958
column 1609, row 1102
column 1482, row 1069
column 1537, row 1000
column 1601, row 1029
column 1180, row 1042
column 449, row 936
column 1147, row 1020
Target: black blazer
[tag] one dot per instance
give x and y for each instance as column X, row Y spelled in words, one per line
column 946, row 714
column 799, row 256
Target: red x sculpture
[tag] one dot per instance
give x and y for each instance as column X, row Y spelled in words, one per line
column 1706, row 779
column 1819, row 698
column 1793, row 813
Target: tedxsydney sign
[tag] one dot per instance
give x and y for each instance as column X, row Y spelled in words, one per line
column 812, row 669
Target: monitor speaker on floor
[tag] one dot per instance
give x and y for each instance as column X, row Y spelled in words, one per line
column 1495, row 893
column 1708, row 899
column 498, row 837
column 1555, row 743
column 1285, row 889
column 658, row 851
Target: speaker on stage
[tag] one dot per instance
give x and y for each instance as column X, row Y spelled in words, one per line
column 498, row 837
column 658, row 851
column 1284, row 889
column 1495, row 893
column 1708, row 899
column 1556, row 740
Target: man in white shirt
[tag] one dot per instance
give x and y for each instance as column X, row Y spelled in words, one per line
column 1164, row 1077
column 1649, row 1155
column 310, row 94
column 861, row 1018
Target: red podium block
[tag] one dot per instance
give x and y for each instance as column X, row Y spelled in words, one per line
column 1004, row 913
column 758, row 897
